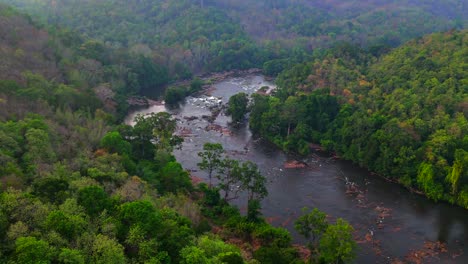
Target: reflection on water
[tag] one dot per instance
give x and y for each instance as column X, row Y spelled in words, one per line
column 399, row 221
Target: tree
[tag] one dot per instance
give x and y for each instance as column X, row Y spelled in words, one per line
column 174, row 178
column 71, row 256
column 114, row 142
column 193, row 255
column 39, row 149
column 107, row 251
column 311, row 225
column 211, row 250
column 458, row 172
column 174, row 95
column 94, row 199
column 69, row 226
column 237, row 107
column 154, row 131
column 51, row 188
column 211, row 158
column 30, row 250
column 151, row 76
column 254, row 183
column 141, row 214
column 229, row 178
column 196, row 85
column 337, row 244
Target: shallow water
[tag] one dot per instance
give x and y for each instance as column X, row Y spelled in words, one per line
column 401, row 222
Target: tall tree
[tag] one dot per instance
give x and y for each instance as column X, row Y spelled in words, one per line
column 229, row 179
column 211, row 159
column 337, row 244
column 254, row 183
column 237, row 107
column 311, row 225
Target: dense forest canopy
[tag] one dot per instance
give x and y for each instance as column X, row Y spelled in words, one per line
column 403, row 115
column 77, row 186
column 196, row 36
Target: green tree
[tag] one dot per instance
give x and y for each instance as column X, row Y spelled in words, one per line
column 426, row 182
column 196, row 85
column 174, row 178
column 174, row 95
column 154, row 131
column 337, row 244
column 107, row 251
column 459, row 171
column 211, row 158
column 229, row 178
column 254, row 183
column 94, row 199
column 211, row 250
column 39, row 149
column 311, row 225
column 141, row 214
column 237, row 107
column 114, row 142
column 151, row 76
column 69, row 226
column 71, row 256
column 51, row 188
column 193, row 255
column 30, row 250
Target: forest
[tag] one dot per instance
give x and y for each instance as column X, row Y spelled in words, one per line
column 370, row 82
column 76, row 186
column 193, row 36
column 402, row 115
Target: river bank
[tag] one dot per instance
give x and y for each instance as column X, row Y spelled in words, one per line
column 209, row 79
column 392, row 225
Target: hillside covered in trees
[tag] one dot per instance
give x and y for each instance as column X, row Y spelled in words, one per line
column 193, row 36
column 403, row 115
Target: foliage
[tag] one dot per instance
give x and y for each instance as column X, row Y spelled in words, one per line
column 31, row 250
column 94, row 199
column 337, row 244
column 311, row 224
column 174, row 178
column 174, row 95
column 234, row 177
column 219, row 35
column 211, row 158
column 237, row 107
column 329, row 243
column 402, row 115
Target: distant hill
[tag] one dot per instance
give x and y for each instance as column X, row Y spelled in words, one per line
column 199, row 36
column 24, row 47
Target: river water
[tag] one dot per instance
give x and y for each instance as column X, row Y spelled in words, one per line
column 391, row 223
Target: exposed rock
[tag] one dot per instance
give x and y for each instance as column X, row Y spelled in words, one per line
column 294, row 164
column 184, row 132
column 223, row 130
column 430, row 250
column 137, row 101
column 190, row 118
column 143, row 101
column 196, row 180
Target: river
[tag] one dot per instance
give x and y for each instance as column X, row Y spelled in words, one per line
column 391, row 223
